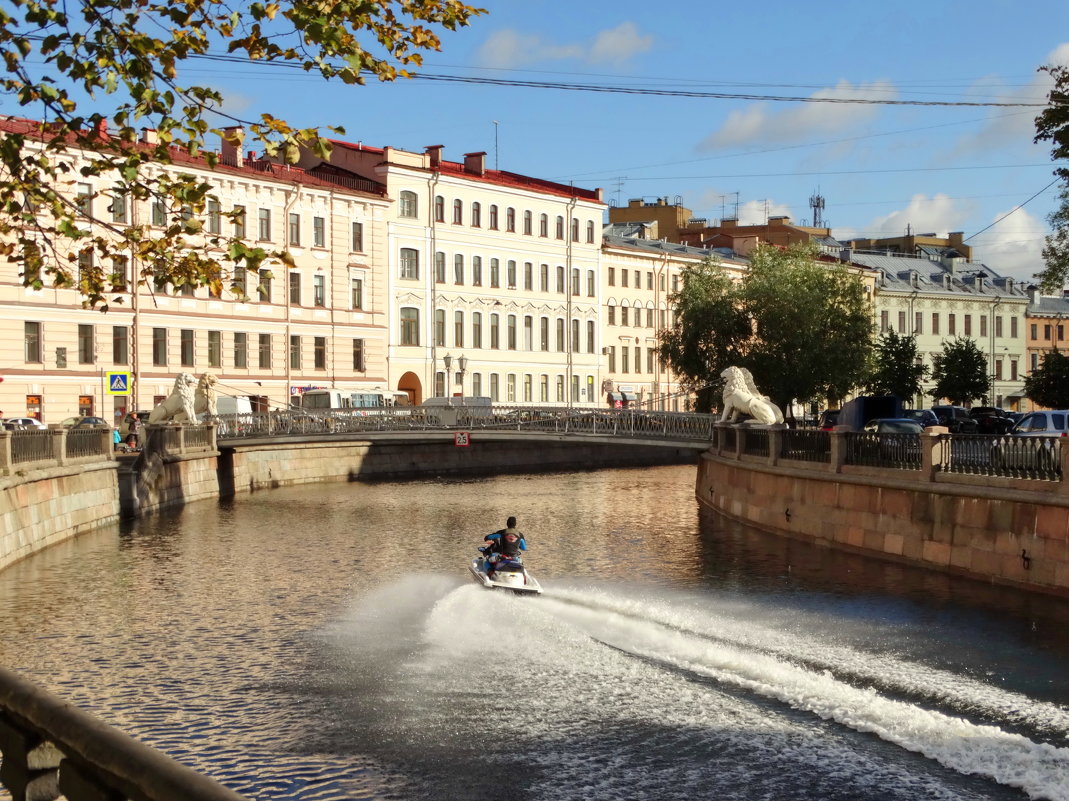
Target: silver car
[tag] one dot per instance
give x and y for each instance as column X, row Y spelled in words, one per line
column 1034, row 443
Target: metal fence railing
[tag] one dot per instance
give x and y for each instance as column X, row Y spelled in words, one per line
column 806, row 445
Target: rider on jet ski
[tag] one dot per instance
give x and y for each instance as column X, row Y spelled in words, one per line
column 504, row 544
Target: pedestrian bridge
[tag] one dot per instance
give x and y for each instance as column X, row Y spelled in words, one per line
column 672, row 429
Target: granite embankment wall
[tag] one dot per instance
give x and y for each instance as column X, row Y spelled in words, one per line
column 41, row 507
column 1008, row 531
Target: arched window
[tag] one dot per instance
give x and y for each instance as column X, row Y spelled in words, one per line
column 408, row 204
column 439, row 208
column 458, row 212
column 543, row 225
column 476, row 215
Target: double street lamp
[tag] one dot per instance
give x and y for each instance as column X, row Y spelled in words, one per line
column 462, row 367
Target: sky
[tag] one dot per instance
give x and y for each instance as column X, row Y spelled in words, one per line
column 882, row 169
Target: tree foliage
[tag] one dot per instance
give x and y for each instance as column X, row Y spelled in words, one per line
column 960, row 371
column 896, row 370
column 803, row 328
column 1048, row 384
column 709, row 327
column 1052, row 125
column 125, row 56
column 812, row 325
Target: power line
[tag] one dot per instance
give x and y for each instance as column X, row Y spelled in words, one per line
column 1021, row 206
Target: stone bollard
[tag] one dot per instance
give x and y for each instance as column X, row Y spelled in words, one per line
column 5, row 452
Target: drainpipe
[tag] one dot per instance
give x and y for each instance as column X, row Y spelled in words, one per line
column 431, row 188
column 991, row 340
column 570, row 366
column 286, row 288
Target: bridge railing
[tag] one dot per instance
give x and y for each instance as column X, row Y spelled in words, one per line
column 34, row 448
column 615, row 423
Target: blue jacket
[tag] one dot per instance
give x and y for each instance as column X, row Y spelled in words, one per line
column 496, row 538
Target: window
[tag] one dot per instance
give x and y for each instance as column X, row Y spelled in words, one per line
column 265, row 286
column 117, row 207
column 477, row 270
column 590, row 231
column 983, row 325
column 295, row 289
column 560, row 389
column 120, row 277
column 239, row 283
column 591, row 284
column 85, row 265
column 410, row 263
column 560, row 335
column 560, row 227
column 83, row 200
column 494, row 389
column 493, row 217
column 1047, row 329
column 265, row 352
column 543, row 333
column 935, row 323
column 409, row 326
column 952, row 324
column 458, row 329
column 612, row 358
column 624, row 274
column 319, row 353
column 439, row 327
column 575, row 281
column 624, row 312
column 528, row 386
column 611, row 315
column 495, row 273
column 612, row 276
column 476, row 331
column 1035, row 331
column 241, row 349
column 511, row 332
column 560, row 279
column 319, row 290
column 512, row 274
column 295, row 229
column 239, row 218
column 319, row 232
column 510, row 220
column 495, row 331
column 215, row 217
column 458, row 269
column 458, row 212
column 528, row 222
column 358, row 237
column 159, row 347
column 1013, row 328
column 439, row 208
column 439, row 267
column 186, row 347
column 575, row 229
column 918, row 323
column 625, row 359
column 511, row 387
column 295, row 351
column 543, row 225
column 408, row 204
column 590, row 338
column 528, row 276
column 356, row 291
column 86, row 345
column 1013, row 370
column 120, row 344
column 215, row 349
column 968, row 325
column 998, row 325
column 575, row 336
column 476, row 384
column 358, row 355
column 543, row 277
column 528, row 333
column 264, row 225
column 159, row 213
column 476, row 215
column 543, row 388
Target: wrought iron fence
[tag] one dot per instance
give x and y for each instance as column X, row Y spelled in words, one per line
column 32, row 445
column 1037, row 458
column 902, row 451
column 755, row 442
column 807, row 445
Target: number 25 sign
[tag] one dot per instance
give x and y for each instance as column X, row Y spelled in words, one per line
column 462, row 439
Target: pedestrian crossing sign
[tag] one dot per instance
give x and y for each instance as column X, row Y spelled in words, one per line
column 118, row 383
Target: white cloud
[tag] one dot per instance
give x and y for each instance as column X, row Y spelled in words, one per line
column 1059, row 55
column 509, row 48
column 757, row 212
column 761, row 124
column 938, row 215
column 1013, row 247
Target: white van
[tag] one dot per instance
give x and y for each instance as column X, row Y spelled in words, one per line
column 457, row 410
column 231, row 404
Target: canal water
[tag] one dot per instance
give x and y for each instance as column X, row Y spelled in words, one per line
column 325, row 642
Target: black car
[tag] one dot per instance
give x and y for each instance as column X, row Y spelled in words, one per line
column 991, row 420
column 957, row 419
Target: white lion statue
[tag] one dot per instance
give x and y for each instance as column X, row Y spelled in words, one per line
column 179, row 402
column 741, row 396
column 203, row 400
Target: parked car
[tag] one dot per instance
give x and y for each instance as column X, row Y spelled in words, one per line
column 828, row 419
column 84, row 422
column 899, row 439
column 957, row 419
column 991, row 420
column 1034, row 443
column 13, row 423
column 926, row 417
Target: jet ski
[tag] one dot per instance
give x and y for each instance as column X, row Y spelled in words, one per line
column 507, row 573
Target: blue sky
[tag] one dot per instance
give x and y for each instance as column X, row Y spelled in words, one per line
column 880, row 168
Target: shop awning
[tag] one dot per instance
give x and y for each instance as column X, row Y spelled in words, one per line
column 1017, row 392
column 616, row 396
column 629, row 396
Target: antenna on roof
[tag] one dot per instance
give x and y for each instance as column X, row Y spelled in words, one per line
column 496, row 167
column 816, row 202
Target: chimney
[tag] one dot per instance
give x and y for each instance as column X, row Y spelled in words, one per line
column 435, row 153
column 230, row 148
column 845, row 254
column 149, row 136
column 101, row 128
column 475, row 163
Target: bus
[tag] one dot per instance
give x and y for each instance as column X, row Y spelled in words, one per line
column 322, row 400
